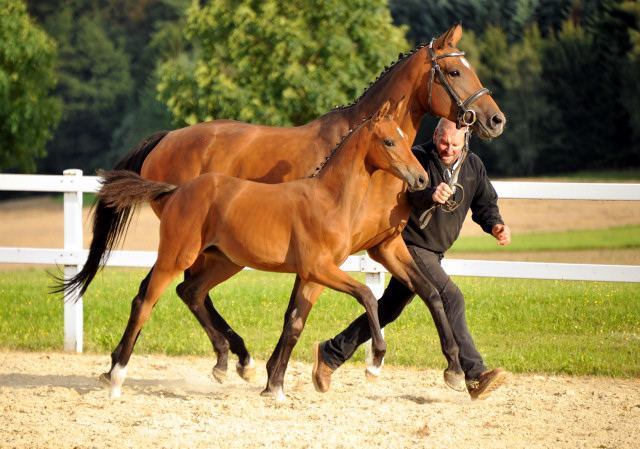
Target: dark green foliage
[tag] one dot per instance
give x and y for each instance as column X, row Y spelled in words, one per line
column 564, row 72
column 28, row 113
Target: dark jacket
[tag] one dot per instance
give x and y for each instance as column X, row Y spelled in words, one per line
column 444, row 227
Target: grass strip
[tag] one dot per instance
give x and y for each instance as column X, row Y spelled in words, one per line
column 612, row 238
column 527, row 326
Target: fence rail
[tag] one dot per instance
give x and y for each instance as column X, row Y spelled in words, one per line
column 72, row 183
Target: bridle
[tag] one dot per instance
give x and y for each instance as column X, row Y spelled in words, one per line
column 466, row 116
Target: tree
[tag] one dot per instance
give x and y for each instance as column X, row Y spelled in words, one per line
column 532, row 122
column 278, row 63
column 631, row 75
column 27, row 110
column 95, row 87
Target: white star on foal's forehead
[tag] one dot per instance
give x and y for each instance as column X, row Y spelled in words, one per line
column 465, row 62
column 401, row 133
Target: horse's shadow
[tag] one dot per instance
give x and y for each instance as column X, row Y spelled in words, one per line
column 178, row 388
column 81, row 384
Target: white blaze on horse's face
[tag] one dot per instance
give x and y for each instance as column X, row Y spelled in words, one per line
column 465, row 62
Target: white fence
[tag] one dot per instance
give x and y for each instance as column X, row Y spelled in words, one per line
column 72, row 256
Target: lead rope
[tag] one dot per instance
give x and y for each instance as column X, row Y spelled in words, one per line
column 450, row 204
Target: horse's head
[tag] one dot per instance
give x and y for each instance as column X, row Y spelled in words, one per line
column 454, row 90
column 390, row 149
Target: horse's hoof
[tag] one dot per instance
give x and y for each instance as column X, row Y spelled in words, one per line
column 454, row 380
column 105, row 379
column 372, row 373
column 219, row 374
column 247, row 372
column 276, row 393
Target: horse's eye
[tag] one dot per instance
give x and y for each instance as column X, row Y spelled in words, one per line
column 389, row 143
column 455, row 73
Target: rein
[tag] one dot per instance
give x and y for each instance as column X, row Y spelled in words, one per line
column 450, row 205
column 466, row 116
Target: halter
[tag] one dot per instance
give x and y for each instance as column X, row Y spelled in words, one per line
column 466, row 116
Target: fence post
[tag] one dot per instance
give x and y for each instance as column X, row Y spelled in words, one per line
column 375, row 280
column 73, row 312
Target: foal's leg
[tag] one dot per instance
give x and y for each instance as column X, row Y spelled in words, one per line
column 333, row 277
column 141, row 309
column 213, row 270
column 302, row 299
column 394, row 255
column 105, row 378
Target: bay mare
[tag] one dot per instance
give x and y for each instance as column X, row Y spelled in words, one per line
column 274, row 155
column 301, row 227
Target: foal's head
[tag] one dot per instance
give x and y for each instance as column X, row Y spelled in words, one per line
column 390, row 148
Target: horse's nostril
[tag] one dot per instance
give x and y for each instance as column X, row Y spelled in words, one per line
column 497, row 120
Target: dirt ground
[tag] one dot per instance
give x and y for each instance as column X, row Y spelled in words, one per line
column 53, row 400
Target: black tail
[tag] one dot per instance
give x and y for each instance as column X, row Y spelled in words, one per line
column 109, row 224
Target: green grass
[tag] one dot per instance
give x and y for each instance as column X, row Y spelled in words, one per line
column 612, row 238
column 527, row 326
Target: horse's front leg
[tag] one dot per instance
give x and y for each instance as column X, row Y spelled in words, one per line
column 395, row 256
column 302, row 299
column 210, row 270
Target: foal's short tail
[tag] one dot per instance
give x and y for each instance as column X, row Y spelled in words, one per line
column 124, row 189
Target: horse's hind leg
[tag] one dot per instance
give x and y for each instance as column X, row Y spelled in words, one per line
column 141, row 308
column 303, row 297
column 213, row 269
column 105, row 378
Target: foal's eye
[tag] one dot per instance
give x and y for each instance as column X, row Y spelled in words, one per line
column 454, row 73
column 389, row 143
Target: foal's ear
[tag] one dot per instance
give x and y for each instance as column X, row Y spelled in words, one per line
column 450, row 37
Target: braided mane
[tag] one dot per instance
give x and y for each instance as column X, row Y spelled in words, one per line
column 338, row 145
column 387, row 70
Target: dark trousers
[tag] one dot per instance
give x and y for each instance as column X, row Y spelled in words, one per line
column 395, row 298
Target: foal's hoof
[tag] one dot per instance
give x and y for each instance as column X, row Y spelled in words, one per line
column 219, row 374
column 248, row 371
column 454, row 380
column 105, row 379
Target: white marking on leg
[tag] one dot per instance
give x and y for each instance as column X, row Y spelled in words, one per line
column 118, row 375
column 251, row 364
column 375, row 370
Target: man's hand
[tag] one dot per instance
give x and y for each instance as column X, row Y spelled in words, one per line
column 502, row 233
column 442, row 193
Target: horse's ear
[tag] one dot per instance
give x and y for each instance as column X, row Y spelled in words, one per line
column 384, row 110
column 397, row 108
column 450, row 37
